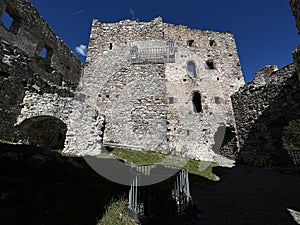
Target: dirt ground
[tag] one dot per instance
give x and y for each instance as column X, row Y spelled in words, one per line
column 246, row 195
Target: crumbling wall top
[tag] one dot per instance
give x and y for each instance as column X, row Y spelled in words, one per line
column 30, row 32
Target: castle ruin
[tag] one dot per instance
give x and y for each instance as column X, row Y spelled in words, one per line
column 145, row 86
column 162, row 87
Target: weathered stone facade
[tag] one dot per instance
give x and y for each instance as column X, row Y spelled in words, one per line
column 262, row 108
column 295, row 7
column 33, row 85
column 146, row 85
column 162, row 87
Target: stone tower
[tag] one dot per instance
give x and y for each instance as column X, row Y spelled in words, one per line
column 162, row 87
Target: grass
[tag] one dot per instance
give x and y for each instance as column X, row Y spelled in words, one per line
column 138, row 158
column 201, row 168
column 116, row 214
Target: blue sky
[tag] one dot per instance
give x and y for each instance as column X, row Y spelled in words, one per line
column 264, row 30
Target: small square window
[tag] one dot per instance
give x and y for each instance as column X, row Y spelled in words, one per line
column 190, row 43
column 10, row 21
column 210, row 64
column 7, row 20
column 43, row 53
column 45, row 59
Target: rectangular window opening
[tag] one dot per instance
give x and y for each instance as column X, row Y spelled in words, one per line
column 10, row 22
column 45, row 58
column 7, row 20
column 171, row 100
column 43, row 53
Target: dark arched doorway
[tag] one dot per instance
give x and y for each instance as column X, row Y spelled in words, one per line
column 44, row 131
column 197, row 102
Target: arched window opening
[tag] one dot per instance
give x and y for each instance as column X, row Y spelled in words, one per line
column 44, row 131
column 197, row 102
column 192, row 68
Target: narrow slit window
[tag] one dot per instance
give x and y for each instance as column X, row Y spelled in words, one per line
column 212, row 43
column 110, row 46
column 197, row 102
column 192, row 68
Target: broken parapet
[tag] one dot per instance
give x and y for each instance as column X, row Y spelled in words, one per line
column 262, row 109
column 28, row 31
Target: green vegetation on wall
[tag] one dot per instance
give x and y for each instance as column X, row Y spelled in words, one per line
column 291, row 135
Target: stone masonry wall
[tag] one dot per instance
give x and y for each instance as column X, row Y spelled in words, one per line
column 295, row 7
column 30, row 32
column 149, row 105
column 32, row 85
column 262, row 108
column 109, row 78
column 191, row 133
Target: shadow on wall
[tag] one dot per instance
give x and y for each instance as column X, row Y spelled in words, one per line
column 43, row 131
column 42, row 187
column 264, row 143
column 245, row 195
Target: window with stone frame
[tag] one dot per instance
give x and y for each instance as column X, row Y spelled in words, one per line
column 191, row 67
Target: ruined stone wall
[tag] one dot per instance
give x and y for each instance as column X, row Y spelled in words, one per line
column 295, row 7
column 191, row 133
column 145, row 90
column 262, row 108
column 31, row 34
column 130, row 97
column 33, row 85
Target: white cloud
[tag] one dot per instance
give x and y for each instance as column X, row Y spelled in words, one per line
column 81, row 50
column 77, row 12
column 132, row 13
